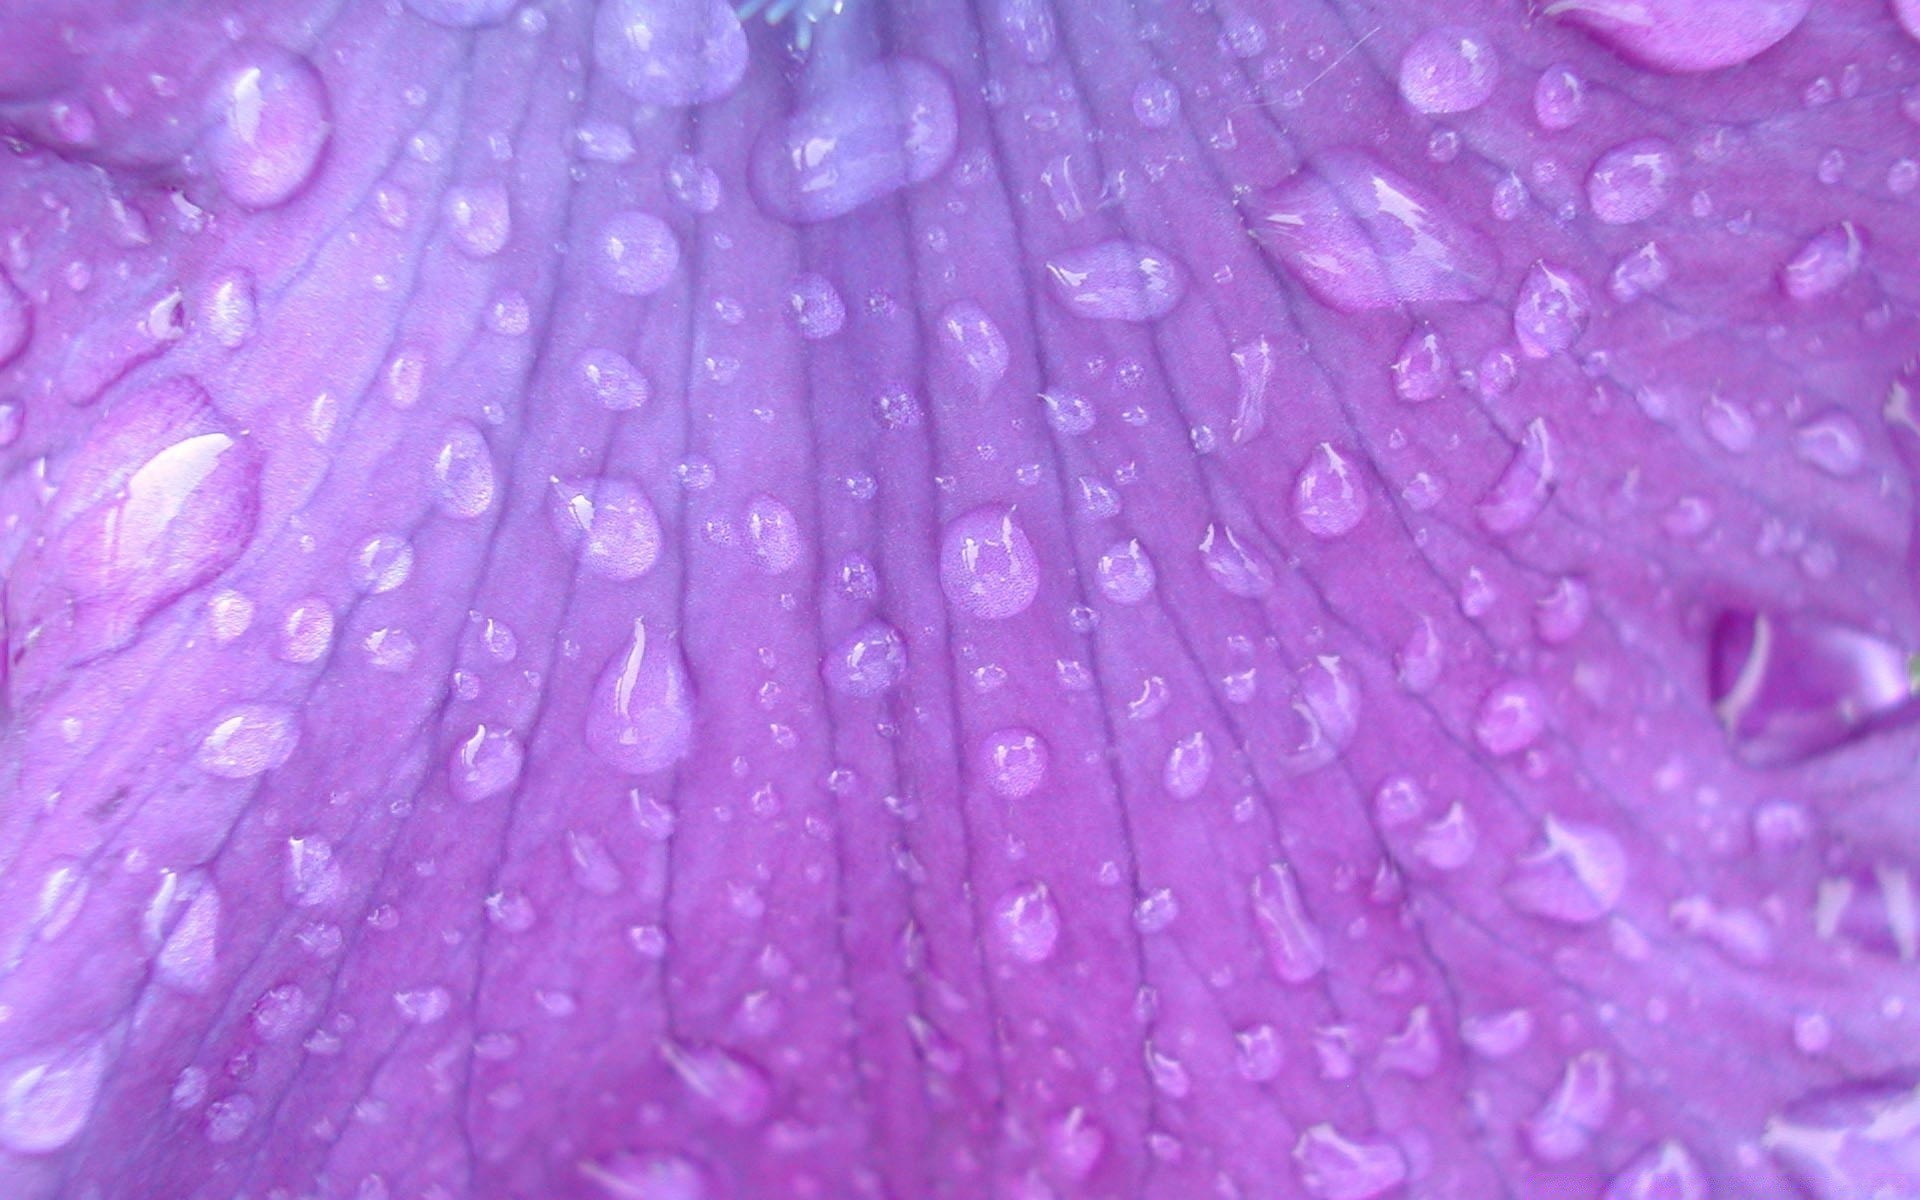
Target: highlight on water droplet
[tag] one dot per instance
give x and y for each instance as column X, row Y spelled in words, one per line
column 1788, row 687
column 669, row 53
column 1329, row 496
column 270, row 123
column 248, row 740
column 1449, row 70
column 1117, row 281
column 988, row 567
column 1028, row 924
column 640, row 717
column 1014, row 762
column 606, row 523
column 484, row 764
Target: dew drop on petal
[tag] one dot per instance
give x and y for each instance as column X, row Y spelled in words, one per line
column 382, row 563
column 1824, row 262
column 1295, row 946
column 635, row 253
column 1551, row 311
column 1576, row 875
column 773, row 535
column 1641, row 272
column 1633, row 181
column 1666, row 1171
column 1014, row 762
column 1333, row 1166
column 485, row 764
column 463, row 477
column 1698, row 35
column 480, row 219
column 1237, row 569
column 670, row 53
column 1028, row 924
column 607, row 523
column 727, row 1084
column 1524, row 487
column 816, row 307
column 1512, row 717
column 248, row 740
column 878, row 129
column 872, row 660
column 271, row 124
column 1125, row 573
column 1329, row 497
column 640, row 717
column 988, row 567
column 1559, row 98
column 1117, row 281
column 463, row 14
column 1422, row 369
column 46, row 1100
column 611, row 379
column 1189, row 765
column 1563, row 1127
column 1449, row 70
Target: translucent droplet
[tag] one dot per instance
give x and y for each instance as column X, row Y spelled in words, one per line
column 1632, row 181
column 46, row 1100
column 1117, row 281
column 1666, row 1171
column 1449, row 70
column 608, row 524
column 248, row 740
column 382, row 563
column 871, row 661
column 1027, row 923
column 1551, row 311
column 1294, row 943
column 1189, row 764
column 1824, row 262
column 635, row 253
column 487, row 763
column 1576, row 876
column 1639, row 273
column 975, row 344
column 881, row 128
column 1235, row 568
column 271, row 122
column 1524, row 487
column 670, row 53
column 1579, row 1106
column 773, row 534
column 1156, row 102
column 640, row 718
column 1125, row 573
column 611, row 379
column 1014, row 762
column 1329, row 497
column 1700, row 35
column 1422, row 370
column 1335, row 1167
column 229, row 311
column 1562, row 612
column 1787, row 688
column 463, row 472
column 480, row 219
column 988, row 567
column 816, row 306
column 1559, row 98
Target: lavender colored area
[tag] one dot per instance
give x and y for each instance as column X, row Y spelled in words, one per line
column 1302, row 599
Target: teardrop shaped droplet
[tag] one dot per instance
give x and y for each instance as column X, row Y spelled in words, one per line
column 1633, row 181
column 1551, row 311
column 1329, row 496
column 1576, row 876
column 463, row 472
column 1824, row 262
column 640, row 718
column 485, row 764
column 271, row 123
column 248, row 740
column 1028, row 924
column 1295, row 946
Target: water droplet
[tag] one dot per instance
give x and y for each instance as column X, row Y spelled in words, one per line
column 1028, row 924
column 988, row 567
column 1632, row 181
column 1188, row 766
column 487, row 763
column 1014, row 762
column 1448, row 842
column 694, row 183
column 1326, row 714
column 270, row 125
column 1335, row 1167
column 1419, row 658
column 1117, row 281
column 1562, row 612
column 871, row 661
column 1833, row 442
column 773, row 533
column 16, row 321
column 1328, row 497
column 1125, row 573
column 180, row 928
column 1850, row 1141
column 1361, row 237
column 816, row 307
column 670, row 53
column 463, row 14
column 1069, row 413
column 975, row 343
column 1789, row 688
column 1551, row 311
column 608, row 524
column 46, row 1100
column 423, row 1006
column 480, row 218
column 1422, row 369
column 248, row 740
column 730, row 1086
column 1294, row 944
column 635, row 253
column 229, row 614
column 1699, row 35
column 229, row 312
column 883, row 127
column 1559, row 98
column 1156, row 102
column 611, row 379
column 1522, row 490
column 1666, row 1171
column 1564, row 1126
column 1643, row 271
column 1826, row 261
column 1577, row 875
column 1028, row 27
column 463, row 472
column 649, row 1176
column 1235, row 568
column 1259, row 1054
column 640, row 719
column 1449, row 70
column 1415, row 1049
column 1169, row 1075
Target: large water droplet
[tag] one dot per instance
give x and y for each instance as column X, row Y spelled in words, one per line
column 1524, row 487
column 463, row 472
column 670, row 53
column 881, row 128
column 1852, row 1141
column 1564, row 1126
column 635, row 253
column 1294, row 943
column 871, row 661
column 1577, row 875
column 1551, row 311
column 1361, row 237
column 463, row 14
column 1559, row 98
column 988, row 567
column 487, row 763
column 270, row 125
column 1632, row 181
column 1686, row 35
column 1125, row 573
column 1335, row 1167
column 1422, row 370
column 1028, row 924
column 46, row 1100
column 180, row 928
column 1117, row 281
column 608, row 524
column 1788, row 688
column 1826, row 261
column 248, row 740
column 1329, row 497
column 729, row 1085
column 640, row 718
column 1449, row 70
column 1666, row 1171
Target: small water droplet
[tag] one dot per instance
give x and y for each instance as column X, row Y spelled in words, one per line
column 1329, row 498
column 1450, row 69
column 487, row 763
column 1028, row 924
column 635, row 253
column 640, row 719
column 248, row 740
column 382, row 563
column 1117, row 281
column 480, row 219
column 1422, row 370
column 1551, row 311
column 1559, row 98
column 1014, row 762
column 1633, row 181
